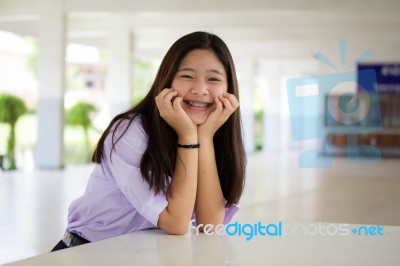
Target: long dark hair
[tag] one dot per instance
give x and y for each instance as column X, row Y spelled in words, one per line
column 158, row 160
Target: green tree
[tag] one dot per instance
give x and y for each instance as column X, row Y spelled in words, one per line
column 79, row 115
column 144, row 72
column 11, row 108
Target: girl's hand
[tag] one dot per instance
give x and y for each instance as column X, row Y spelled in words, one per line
column 169, row 106
column 226, row 104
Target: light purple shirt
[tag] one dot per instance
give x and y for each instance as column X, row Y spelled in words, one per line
column 117, row 200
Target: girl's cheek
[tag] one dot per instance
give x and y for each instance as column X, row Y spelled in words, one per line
column 179, row 88
column 217, row 92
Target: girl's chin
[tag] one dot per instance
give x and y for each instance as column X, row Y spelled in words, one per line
column 198, row 120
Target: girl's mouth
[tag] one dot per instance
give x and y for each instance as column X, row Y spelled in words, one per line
column 202, row 105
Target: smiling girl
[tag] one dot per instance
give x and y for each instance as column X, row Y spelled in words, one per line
column 177, row 155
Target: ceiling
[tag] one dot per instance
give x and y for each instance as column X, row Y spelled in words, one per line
column 254, row 28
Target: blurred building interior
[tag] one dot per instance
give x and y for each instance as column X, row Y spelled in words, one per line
column 271, row 42
column 107, row 53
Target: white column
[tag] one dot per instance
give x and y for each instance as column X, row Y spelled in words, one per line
column 50, row 108
column 119, row 83
column 246, row 70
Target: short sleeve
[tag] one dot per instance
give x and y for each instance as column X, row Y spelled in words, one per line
column 229, row 213
column 124, row 167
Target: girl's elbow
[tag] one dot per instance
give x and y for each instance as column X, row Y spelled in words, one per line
column 177, row 229
column 178, row 232
column 174, row 226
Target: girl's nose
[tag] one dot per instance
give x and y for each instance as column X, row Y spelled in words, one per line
column 199, row 88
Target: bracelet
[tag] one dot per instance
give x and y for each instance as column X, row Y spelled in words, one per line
column 188, row 146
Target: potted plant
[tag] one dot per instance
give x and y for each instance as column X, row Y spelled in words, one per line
column 79, row 115
column 11, row 108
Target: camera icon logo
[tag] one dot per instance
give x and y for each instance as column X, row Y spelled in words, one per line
column 318, row 106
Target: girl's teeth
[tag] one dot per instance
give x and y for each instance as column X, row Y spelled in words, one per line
column 202, row 105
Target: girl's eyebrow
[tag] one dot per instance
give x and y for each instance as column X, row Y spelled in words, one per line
column 186, row 69
column 216, row 72
column 210, row 70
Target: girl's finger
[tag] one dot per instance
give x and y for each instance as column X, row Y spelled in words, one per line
column 160, row 97
column 232, row 98
column 169, row 96
column 163, row 101
column 218, row 105
column 227, row 104
column 164, row 92
column 177, row 103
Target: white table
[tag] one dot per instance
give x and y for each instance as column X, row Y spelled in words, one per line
column 153, row 247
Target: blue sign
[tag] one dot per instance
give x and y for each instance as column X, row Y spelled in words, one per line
column 387, row 77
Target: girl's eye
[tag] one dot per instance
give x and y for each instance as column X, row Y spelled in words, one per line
column 186, row 76
column 214, row 79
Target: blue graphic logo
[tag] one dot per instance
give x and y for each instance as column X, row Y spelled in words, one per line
column 318, row 106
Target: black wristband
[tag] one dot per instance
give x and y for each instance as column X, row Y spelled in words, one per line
column 188, row 146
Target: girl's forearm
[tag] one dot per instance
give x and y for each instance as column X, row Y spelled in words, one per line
column 210, row 204
column 181, row 194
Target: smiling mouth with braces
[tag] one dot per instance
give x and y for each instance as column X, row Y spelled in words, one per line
column 201, row 105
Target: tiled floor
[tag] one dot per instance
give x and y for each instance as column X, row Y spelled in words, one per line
column 33, row 206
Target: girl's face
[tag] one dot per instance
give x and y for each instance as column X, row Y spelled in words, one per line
column 201, row 78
